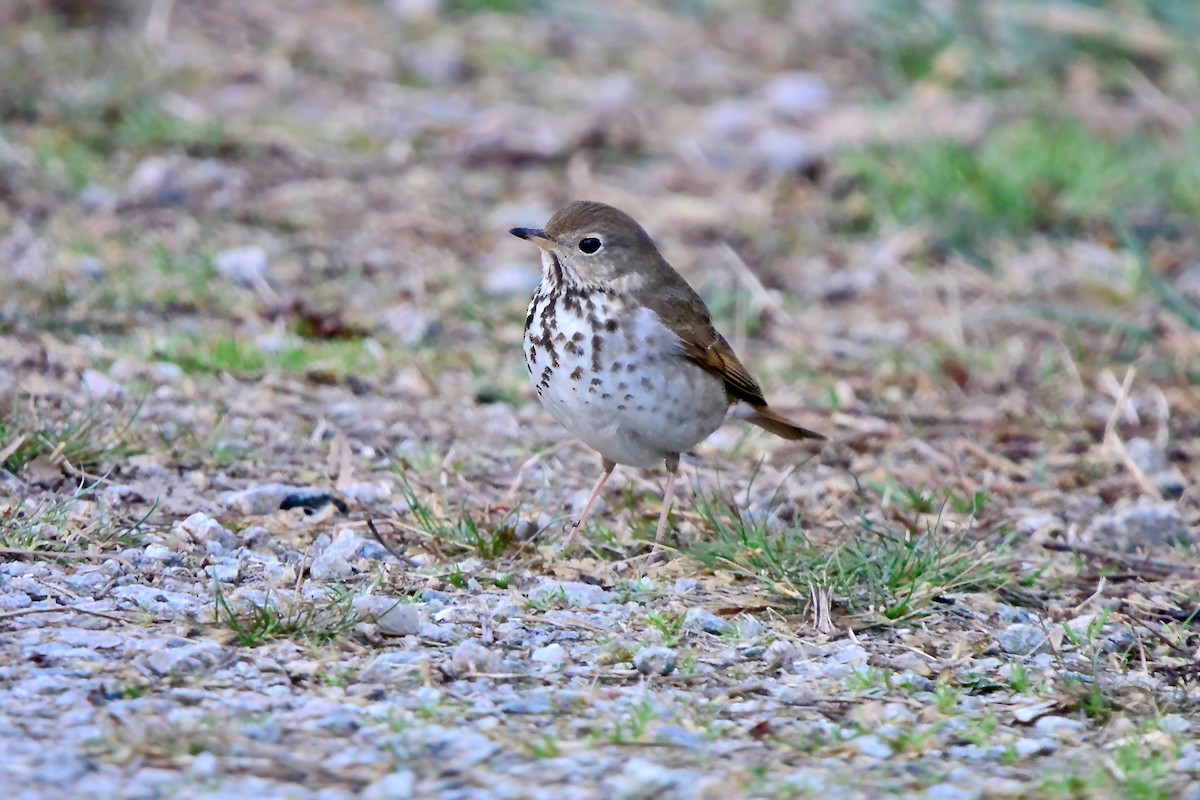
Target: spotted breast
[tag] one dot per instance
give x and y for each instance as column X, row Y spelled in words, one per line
column 617, row 377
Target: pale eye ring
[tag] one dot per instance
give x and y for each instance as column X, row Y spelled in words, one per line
column 590, row 244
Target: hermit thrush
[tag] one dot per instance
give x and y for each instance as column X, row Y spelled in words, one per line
column 623, row 352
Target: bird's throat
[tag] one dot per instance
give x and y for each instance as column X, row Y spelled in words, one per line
column 552, row 271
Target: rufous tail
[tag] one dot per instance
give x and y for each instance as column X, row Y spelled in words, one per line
column 766, row 418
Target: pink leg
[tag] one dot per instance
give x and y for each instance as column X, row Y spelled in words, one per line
column 609, row 466
column 668, row 496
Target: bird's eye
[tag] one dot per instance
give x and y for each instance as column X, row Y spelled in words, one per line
column 590, row 244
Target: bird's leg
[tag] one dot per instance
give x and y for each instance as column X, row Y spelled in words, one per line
column 668, row 495
column 609, row 466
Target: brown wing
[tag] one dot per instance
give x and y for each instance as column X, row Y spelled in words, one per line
column 718, row 358
column 682, row 310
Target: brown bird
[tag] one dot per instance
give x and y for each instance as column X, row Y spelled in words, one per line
column 623, row 352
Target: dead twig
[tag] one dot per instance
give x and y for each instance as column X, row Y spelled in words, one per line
column 23, row 612
column 1134, row 33
column 403, row 559
column 1162, row 637
column 1137, row 566
column 20, row 552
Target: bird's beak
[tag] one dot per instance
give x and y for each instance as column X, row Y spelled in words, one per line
column 535, row 235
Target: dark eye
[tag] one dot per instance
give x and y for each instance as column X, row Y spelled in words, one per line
column 590, row 244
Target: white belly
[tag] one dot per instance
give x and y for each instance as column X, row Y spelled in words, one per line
column 633, row 414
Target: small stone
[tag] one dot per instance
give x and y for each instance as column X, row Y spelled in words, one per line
column 1022, row 640
column 1148, row 456
column 397, row 786
column 578, row 500
column 471, row 657
column 99, row 386
column 780, row 151
column 965, row 752
column 434, row 596
column 158, row 601
column 797, row 94
column 90, row 267
column 1078, row 627
column 574, row 593
column 949, row 791
column 183, row 657
column 61, row 770
column 90, row 582
column 727, row 657
column 1145, row 524
column 258, row 500
column 685, row 586
column 1035, row 524
column 340, row 723
column 871, row 746
column 442, row 634
column 679, row 737
column 779, row 655
column 1120, row 639
column 552, row 654
column 412, row 325
column 413, row 10
column 458, row 750
column 655, row 660
column 534, row 703
column 898, row 713
column 205, row 765
column 345, row 412
column 640, row 779
column 437, row 61
column 368, row 493
column 808, row 782
column 749, row 628
column 393, row 616
column 29, row 583
column 274, row 341
column 732, row 119
column 1027, row 713
column 94, row 640
column 158, row 552
column 702, row 620
column 334, row 562
column 1188, row 762
column 1171, row 483
column 854, row 655
column 1009, row 614
column 245, row 265
column 915, row 682
column 1174, row 724
column 200, row 527
column 225, row 572
column 1066, row 730
column 330, row 566
column 1028, row 748
column 156, row 181
column 393, row 666
column 165, row 372
column 95, row 198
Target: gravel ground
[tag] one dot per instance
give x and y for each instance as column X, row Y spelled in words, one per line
column 279, row 511
column 649, row 687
